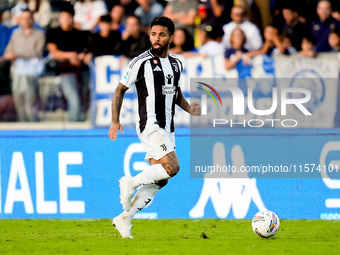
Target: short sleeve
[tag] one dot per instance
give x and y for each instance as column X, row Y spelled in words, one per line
column 228, row 53
column 130, row 74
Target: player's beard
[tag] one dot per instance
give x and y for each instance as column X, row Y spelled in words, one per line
column 160, row 50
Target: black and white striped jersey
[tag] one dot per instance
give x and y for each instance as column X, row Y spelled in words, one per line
column 157, row 81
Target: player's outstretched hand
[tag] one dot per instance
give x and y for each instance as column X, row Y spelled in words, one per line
column 114, row 130
column 195, row 109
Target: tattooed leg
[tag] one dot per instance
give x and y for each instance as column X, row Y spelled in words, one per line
column 169, row 162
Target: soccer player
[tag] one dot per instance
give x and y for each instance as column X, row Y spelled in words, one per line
column 156, row 75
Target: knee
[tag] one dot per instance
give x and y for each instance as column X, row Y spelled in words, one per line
column 174, row 169
column 170, row 164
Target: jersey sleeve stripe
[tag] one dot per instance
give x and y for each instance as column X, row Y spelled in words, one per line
column 141, row 56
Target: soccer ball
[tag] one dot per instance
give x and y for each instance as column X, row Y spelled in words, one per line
column 265, row 224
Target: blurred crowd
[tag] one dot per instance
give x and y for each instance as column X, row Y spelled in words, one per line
column 60, row 38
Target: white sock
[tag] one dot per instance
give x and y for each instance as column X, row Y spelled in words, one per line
column 144, row 196
column 151, row 175
column 126, row 217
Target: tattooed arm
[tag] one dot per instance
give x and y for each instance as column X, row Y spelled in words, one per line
column 193, row 109
column 117, row 101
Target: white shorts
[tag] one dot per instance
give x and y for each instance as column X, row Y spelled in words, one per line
column 157, row 143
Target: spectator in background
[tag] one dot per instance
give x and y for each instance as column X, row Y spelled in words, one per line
column 70, row 48
column 183, row 13
column 321, row 29
column 7, row 109
column 218, row 12
column 129, row 6
column 287, row 45
column 293, row 28
column 252, row 33
column 4, row 37
column 135, row 40
column 259, row 11
column 211, row 37
column 182, row 42
column 308, row 46
column 25, row 48
column 106, row 41
column 16, row 12
column 334, row 40
column 87, row 13
column 236, row 51
column 117, row 14
column 307, row 10
column 41, row 10
column 147, row 11
column 278, row 20
column 274, row 44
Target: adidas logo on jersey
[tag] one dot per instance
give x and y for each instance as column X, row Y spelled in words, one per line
column 157, row 68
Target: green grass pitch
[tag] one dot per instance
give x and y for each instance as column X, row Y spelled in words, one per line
column 208, row 236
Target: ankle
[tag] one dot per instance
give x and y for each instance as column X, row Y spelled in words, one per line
column 127, row 216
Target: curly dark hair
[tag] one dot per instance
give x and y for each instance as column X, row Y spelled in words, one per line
column 165, row 22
